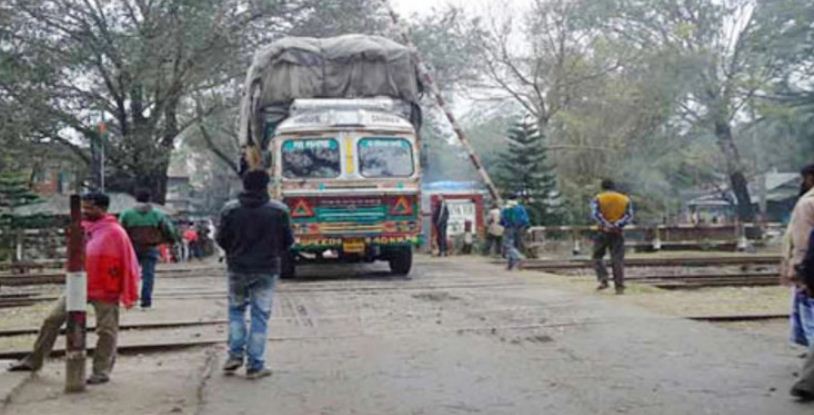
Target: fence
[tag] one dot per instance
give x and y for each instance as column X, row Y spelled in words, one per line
column 738, row 236
column 33, row 244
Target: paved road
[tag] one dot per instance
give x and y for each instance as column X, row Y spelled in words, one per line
column 470, row 338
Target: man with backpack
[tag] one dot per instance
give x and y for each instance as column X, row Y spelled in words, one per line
column 514, row 219
column 148, row 228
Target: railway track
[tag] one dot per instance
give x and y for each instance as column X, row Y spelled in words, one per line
column 734, row 318
column 58, row 277
column 22, row 300
column 659, row 262
column 669, row 279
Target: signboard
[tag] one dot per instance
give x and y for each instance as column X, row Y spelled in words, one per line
column 460, row 211
column 300, row 145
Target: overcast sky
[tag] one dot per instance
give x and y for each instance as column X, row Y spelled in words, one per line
column 408, row 7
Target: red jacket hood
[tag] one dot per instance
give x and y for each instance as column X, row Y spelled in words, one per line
column 110, row 262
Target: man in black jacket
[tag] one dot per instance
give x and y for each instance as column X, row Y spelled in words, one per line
column 255, row 233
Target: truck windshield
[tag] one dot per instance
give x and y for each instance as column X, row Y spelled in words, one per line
column 385, row 157
column 311, row 159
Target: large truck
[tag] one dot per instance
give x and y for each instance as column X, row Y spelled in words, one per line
column 335, row 123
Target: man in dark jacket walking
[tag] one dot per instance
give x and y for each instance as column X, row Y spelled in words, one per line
column 255, row 233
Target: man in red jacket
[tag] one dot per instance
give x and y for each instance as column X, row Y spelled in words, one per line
column 112, row 269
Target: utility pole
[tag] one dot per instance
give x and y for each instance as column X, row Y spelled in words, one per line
column 426, row 77
column 76, row 299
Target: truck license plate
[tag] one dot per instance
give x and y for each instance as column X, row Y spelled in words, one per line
column 353, row 247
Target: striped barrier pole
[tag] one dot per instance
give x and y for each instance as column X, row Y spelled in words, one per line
column 424, row 74
column 76, row 302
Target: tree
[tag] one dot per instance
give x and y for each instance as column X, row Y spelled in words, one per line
column 724, row 64
column 15, row 191
column 524, row 169
column 327, row 18
column 543, row 60
column 446, row 43
column 135, row 65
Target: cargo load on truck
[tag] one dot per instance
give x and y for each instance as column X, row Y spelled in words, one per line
column 349, row 66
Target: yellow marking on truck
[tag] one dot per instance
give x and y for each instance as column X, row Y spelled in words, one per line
column 350, row 165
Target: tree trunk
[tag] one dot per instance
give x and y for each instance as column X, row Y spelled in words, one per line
column 734, row 168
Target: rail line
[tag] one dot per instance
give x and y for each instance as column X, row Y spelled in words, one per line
column 48, row 278
column 738, row 318
column 659, row 262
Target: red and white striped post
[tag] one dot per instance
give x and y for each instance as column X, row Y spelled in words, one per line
column 76, row 302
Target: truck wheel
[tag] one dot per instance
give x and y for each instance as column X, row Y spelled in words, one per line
column 401, row 261
column 288, row 268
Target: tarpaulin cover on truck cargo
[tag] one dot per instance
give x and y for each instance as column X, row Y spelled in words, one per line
column 350, row 66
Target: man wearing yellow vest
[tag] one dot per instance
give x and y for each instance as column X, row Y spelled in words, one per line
column 612, row 211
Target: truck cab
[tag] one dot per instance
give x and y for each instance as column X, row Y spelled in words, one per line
column 348, row 169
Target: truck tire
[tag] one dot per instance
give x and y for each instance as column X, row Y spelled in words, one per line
column 288, row 267
column 401, row 261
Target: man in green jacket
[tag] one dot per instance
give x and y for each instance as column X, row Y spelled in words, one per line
column 147, row 227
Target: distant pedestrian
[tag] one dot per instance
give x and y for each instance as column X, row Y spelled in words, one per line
column 795, row 247
column 188, row 238
column 148, row 228
column 468, row 238
column 440, row 219
column 494, row 231
column 514, row 219
column 255, row 233
column 205, row 248
column 612, row 211
column 112, row 271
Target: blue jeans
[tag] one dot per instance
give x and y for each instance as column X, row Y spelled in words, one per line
column 147, row 260
column 255, row 290
column 802, row 319
column 510, row 238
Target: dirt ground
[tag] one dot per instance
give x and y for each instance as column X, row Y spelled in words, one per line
column 462, row 336
column 686, row 303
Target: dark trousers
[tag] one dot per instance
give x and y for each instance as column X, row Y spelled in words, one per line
column 493, row 244
column 147, row 260
column 441, row 234
column 615, row 243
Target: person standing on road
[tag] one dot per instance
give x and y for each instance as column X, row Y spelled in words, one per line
column 190, row 237
column 112, row 271
column 148, row 228
column 514, row 219
column 494, row 231
column 612, row 211
column 255, row 233
column 804, row 272
column 440, row 218
column 795, row 245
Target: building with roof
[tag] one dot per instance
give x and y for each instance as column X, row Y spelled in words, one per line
column 773, row 195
